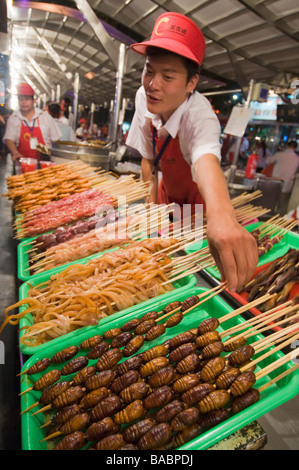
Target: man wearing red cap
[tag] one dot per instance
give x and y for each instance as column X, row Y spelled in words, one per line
column 175, row 129
column 29, row 126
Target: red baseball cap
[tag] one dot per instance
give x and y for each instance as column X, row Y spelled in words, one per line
column 25, row 89
column 176, row 33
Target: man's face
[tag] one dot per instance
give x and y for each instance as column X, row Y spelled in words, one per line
column 26, row 103
column 164, row 79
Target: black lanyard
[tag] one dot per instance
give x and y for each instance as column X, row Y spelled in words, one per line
column 30, row 128
column 158, row 158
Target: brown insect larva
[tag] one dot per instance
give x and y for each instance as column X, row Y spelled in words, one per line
column 243, row 401
column 243, row 383
column 135, row 391
column 162, row 377
column 152, row 315
column 133, row 345
column 134, row 432
column 188, row 364
column 101, row 379
column 179, row 353
column 241, row 355
column 212, row 350
column 214, row 417
column 190, row 302
column 47, row 379
column 152, row 366
column 128, row 447
column 186, row 435
column 74, row 441
column 110, row 334
column 124, row 381
column 182, row 384
column 94, row 397
column 122, row 339
column 131, row 412
column 39, row 366
column 169, row 411
column 98, row 350
column 159, row 397
column 184, row 419
column 112, row 442
column 74, row 365
column 155, row 332
column 82, row 375
column 100, row 429
column 133, row 363
column 197, row 393
column 227, row 377
column 64, row 354
column 91, row 342
column 75, row 423
column 64, row 414
column 155, row 351
column 107, row 407
column 70, row 396
column 207, row 338
column 131, row 325
column 50, row 393
column 210, row 324
column 174, row 320
column 172, row 306
column 145, row 326
column 155, row 437
column 232, row 345
column 215, row 400
column 212, row 369
column 109, row 359
column 181, row 338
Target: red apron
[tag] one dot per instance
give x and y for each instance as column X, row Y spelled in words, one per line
column 177, row 185
column 26, row 133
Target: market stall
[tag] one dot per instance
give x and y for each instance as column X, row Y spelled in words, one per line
column 183, row 369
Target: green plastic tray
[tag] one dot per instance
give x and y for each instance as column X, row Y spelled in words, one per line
column 290, row 240
column 179, row 286
column 274, row 396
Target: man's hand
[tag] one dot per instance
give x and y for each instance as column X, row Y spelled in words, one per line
column 16, row 156
column 233, row 249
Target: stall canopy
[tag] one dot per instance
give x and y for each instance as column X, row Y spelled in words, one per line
column 245, row 39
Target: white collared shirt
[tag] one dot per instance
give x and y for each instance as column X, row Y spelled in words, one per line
column 49, row 128
column 195, row 123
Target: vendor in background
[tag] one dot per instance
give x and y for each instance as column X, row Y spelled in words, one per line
column 263, row 153
column 29, row 126
column 169, row 111
column 286, row 163
column 82, row 131
column 67, row 133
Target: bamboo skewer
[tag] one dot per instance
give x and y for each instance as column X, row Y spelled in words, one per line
column 279, row 377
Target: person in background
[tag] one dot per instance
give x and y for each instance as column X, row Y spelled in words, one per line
column 66, row 116
column 286, row 163
column 5, row 112
column 263, row 153
column 67, row 133
column 29, row 127
column 82, row 131
column 176, row 124
column 244, row 146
